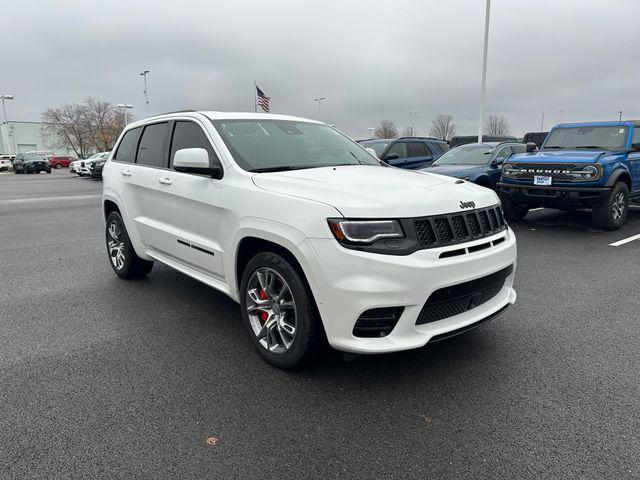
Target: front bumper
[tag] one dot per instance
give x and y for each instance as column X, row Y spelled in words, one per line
column 552, row 195
column 351, row 282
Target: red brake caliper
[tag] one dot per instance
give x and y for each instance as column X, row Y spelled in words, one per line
column 263, row 315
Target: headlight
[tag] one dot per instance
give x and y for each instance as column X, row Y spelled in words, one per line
column 507, row 169
column 589, row 172
column 364, row 231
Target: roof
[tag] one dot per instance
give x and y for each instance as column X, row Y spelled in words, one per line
column 635, row 123
column 213, row 115
column 421, row 138
column 488, row 144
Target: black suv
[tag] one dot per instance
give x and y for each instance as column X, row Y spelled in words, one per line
column 31, row 163
column 407, row 152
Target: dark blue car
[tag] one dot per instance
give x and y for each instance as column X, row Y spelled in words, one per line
column 407, row 152
column 476, row 162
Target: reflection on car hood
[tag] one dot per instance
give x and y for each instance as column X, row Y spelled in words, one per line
column 560, row 156
column 363, row 191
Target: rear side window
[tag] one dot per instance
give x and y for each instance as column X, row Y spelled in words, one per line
column 151, row 148
column 417, row 149
column 635, row 140
column 189, row 135
column 127, row 149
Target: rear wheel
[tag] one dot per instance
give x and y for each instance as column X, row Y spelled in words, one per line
column 123, row 258
column 58, row 166
column 611, row 213
column 513, row 211
column 279, row 313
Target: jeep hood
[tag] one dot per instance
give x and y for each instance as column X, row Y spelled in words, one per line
column 366, row 191
column 562, row 156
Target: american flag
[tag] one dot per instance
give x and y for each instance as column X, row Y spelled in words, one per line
column 263, row 100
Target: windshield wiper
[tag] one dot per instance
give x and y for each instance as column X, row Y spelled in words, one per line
column 590, row 147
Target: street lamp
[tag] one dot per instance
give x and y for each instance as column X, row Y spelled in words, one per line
column 484, row 67
column 4, row 109
column 412, row 124
column 620, row 115
column 372, row 130
column 124, row 107
column 146, row 92
column 319, row 100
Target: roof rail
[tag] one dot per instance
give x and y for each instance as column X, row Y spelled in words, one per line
column 421, row 138
column 175, row 111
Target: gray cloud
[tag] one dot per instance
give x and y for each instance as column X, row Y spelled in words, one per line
column 371, row 59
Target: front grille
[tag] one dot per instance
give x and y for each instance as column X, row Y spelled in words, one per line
column 450, row 301
column 453, row 228
column 557, row 171
column 377, row 322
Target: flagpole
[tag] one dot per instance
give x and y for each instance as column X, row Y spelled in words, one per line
column 255, row 96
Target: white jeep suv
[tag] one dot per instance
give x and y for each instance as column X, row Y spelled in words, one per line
column 313, row 236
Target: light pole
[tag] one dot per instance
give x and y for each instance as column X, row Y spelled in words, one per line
column 484, row 67
column 542, row 123
column 372, row 130
column 4, row 108
column 146, row 92
column 124, row 107
column 412, row 124
column 620, row 115
column 319, row 100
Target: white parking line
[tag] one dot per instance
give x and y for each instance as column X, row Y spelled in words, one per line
column 47, row 199
column 625, row 240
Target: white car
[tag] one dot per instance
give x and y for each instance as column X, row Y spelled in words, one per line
column 313, row 236
column 83, row 167
column 5, row 164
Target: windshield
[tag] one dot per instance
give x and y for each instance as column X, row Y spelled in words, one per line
column 272, row 145
column 379, row 147
column 467, row 155
column 597, row 138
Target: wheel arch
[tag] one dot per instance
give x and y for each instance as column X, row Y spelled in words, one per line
column 620, row 175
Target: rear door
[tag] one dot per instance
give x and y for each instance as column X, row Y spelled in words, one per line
column 418, row 155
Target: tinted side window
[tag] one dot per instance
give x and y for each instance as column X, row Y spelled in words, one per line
column 635, row 140
column 127, row 149
column 518, row 148
column 189, row 135
column 504, row 153
column 151, row 148
column 400, row 148
column 417, row 149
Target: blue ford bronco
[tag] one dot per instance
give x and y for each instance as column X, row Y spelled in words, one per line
column 592, row 165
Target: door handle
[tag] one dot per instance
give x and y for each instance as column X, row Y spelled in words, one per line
column 165, row 181
column 126, row 172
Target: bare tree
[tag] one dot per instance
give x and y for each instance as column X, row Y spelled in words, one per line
column 85, row 126
column 443, row 127
column 496, row 125
column 386, row 129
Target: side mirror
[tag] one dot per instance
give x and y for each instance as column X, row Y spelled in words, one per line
column 391, row 156
column 531, row 147
column 371, row 151
column 498, row 161
column 195, row 160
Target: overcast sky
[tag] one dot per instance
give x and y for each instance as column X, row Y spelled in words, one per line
column 372, row 60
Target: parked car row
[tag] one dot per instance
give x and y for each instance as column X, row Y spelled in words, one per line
column 89, row 167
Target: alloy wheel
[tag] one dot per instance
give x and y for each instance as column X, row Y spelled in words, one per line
column 618, row 206
column 272, row 310
column 116, row 245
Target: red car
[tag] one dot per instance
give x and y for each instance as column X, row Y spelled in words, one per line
column 59, row 162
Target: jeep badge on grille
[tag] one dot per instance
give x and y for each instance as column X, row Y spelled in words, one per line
column 464, row 205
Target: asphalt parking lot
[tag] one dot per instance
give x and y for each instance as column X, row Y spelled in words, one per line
column 157, row 378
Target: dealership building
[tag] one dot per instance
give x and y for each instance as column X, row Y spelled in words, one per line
column 20, row 137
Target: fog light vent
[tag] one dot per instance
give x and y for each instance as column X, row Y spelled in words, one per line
column 377, row 322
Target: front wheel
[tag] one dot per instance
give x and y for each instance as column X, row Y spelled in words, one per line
column 512, row 210
column 279, row 313
column 124, row 260
column 611, row 213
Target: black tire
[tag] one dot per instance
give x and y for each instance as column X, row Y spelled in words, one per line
column 132, row 265
column 310, row 339
column 49, row 171
column 513, row 211
column 611, row 213
column 58, row 166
